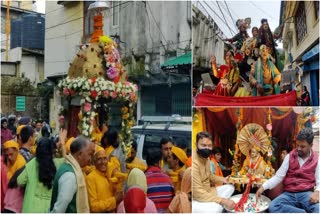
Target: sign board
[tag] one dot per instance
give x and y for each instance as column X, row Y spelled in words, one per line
column 20, row 103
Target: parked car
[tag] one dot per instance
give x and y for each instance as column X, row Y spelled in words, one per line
column 153, row 128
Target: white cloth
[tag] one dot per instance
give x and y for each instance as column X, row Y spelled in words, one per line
column 282, row 171
column 66, row 190
column 224, row 191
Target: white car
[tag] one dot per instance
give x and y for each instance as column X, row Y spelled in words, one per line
column 154, row 128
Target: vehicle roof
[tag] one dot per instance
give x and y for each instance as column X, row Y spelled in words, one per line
column 172, row 127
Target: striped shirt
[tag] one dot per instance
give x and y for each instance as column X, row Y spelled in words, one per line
column 160, row 188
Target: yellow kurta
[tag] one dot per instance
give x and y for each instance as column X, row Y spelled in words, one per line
column 137, row 163
column 201, row 177
column 101, row 198
column 20, row 162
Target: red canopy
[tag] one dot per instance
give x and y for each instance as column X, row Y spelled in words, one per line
column 209, row 99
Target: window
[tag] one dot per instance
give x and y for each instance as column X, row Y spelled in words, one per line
column 300, row 22
column 115, row 13
column 88, row 20
column 316, row 7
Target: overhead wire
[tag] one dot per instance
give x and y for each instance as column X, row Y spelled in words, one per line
column 233, row 20
column 224, row 17
column 216, row 14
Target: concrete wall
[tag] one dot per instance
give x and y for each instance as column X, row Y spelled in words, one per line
column 206, row 40
column 32, row 68
column 64, row 30
column 290, row 42
column 140, row 32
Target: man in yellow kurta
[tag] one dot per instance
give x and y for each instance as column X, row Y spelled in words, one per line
column 207, row 198
column 100, row 194
column 133, row 161
column 14, row 159
column 176, row 160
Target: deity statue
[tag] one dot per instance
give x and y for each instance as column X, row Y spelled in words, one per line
column 265, row 76
column 254, row 164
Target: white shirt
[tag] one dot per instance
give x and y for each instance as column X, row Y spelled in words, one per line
column 67, row 187
column 282, row 171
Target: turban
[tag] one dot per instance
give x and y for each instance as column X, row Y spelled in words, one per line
column 24, row 121
column 181, row 155
column 11, row 144
column 137, row 178
column 98, row 149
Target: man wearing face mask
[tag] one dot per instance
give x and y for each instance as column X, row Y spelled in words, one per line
column 207, row 198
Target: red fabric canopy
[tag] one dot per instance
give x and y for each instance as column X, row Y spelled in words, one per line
column 222, row 125
column 209, row 99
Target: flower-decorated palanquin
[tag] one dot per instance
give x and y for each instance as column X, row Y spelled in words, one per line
column 97, row 78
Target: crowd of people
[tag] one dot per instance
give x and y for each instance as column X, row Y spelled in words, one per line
column 298, row 174
column 44, row 173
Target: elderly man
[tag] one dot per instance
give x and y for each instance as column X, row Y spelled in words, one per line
column 176, row 160
column 100, row 192
column 299, row 173
column 14, row 160
column 207, row 198
column 69, row 193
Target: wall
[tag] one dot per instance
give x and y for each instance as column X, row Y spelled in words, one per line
column 312, row 35
column 140, row 32
column 31, row 67
column 206, row 40
column 34, row 109
column 63, row 34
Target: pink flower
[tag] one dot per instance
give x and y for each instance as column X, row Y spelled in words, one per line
column 123, row 94
column 112, row 73
column 72, row 92
column 106, row 93
column 269, row 127
column 110, row 58
column 126, row 83
column 132, row 96
column 87, row 107
column 114, row 94
column 66, row 91
column 115, row 53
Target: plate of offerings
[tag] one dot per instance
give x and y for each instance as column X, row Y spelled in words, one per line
column 245, row 180
column 250, row 205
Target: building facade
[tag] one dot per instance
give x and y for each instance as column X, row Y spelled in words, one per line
column 301, row 41
column 148, row 34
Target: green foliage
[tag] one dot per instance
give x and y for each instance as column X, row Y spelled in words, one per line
column 17, row 86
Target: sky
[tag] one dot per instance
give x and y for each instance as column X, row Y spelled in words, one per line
column 256, row 10
column 40, row 6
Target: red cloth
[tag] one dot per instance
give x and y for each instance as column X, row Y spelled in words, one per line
column 135, row 200
column 299, row 179
column 4, row 181
column 6, row 135
column 73, row 121
column 209, row 99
